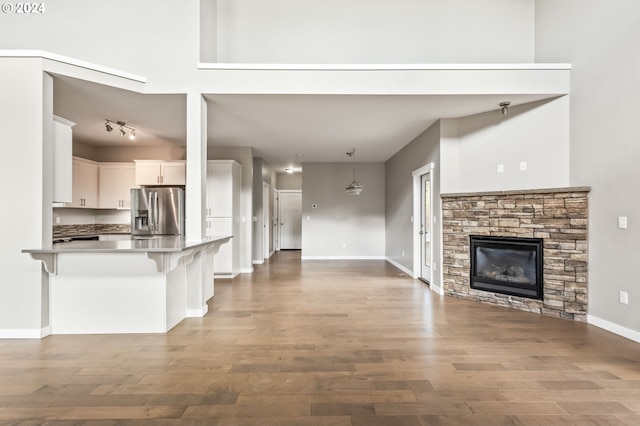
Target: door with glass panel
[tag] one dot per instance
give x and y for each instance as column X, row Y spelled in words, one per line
column 425, row 228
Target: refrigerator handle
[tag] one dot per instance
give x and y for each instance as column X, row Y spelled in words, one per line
column 150, row 213
column 155, row 212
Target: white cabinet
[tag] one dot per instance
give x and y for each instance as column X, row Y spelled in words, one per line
column 223, row 213
column 62, row 160
column 150, row 172
column 85, row 183
column 116, row 181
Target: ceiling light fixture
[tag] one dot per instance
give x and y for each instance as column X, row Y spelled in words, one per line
column 288, row 170
column 504, row 107
column 123, row 128
column 354, row 188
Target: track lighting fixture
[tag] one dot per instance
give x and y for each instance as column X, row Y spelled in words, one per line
column 123, row 128
column 504, row 107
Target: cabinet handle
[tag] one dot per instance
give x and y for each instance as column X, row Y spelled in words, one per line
column 157, row 179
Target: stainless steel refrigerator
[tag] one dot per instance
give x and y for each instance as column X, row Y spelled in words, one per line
column 157, row 211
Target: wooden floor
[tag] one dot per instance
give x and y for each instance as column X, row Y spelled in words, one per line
column 329, row 343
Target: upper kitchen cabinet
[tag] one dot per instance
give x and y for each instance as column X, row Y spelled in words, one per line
column 116, row 181
column 62, row 160
column 151, row 172
column 85, row 183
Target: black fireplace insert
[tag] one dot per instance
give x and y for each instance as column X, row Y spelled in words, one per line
column 507, row 265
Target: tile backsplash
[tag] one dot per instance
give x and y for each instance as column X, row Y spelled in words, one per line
column 86, row 229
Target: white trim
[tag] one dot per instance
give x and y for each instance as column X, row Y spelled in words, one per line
column 614, row 328
column 399, row 266
column 343, row 258
column 380, row 67
column 417, row 212
column 197, row 313
column 258, row 262
column 228, row 276
column 246, row 270
column 25, row 333
column 436, row 289
column 70, row 61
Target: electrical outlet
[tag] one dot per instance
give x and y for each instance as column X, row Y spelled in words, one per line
column 500, row 168
column 523, row 166
column 624, row 297
column 622, row 222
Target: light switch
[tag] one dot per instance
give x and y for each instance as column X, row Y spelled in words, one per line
column 523, row 166
column 622, row 222
column 500, row 168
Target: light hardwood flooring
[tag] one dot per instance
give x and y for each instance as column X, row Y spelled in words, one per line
column 332, row 343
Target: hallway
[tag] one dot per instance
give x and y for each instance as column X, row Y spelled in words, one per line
column 329, row 343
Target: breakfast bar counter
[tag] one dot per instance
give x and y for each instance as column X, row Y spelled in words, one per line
column 133, row 285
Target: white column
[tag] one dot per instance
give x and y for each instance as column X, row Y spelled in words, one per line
column 196, row 166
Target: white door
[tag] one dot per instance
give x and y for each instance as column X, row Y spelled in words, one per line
column 290, row 220
column 276, row 219
column 266, row 221
column 425, row 228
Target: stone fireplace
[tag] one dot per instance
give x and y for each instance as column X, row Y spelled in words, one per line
column 557, row 218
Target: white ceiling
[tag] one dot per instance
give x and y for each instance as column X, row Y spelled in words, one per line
column 322, row 128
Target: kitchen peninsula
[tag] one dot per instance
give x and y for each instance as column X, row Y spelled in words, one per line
column 132, row 285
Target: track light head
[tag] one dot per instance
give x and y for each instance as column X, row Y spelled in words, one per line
column 504, row 107
column 108, row 126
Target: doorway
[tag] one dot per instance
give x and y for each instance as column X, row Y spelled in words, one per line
column 290, row 220
column 425, row 228
column 266, row 221
column 426, row 234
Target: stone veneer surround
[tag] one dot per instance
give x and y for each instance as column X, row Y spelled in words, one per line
column 558, row 216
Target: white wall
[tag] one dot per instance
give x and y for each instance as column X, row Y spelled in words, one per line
column 380, row 31
column 289, row 181
column 342, row 225
column 602, row 41
column 156, row 39
column 25, row 191
column 421, row 151
column 535, row 133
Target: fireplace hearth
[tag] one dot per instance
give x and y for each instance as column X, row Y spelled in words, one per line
column 506, row 265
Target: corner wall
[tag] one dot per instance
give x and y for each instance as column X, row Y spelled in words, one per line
column 601, row 40
column 421, row 151
column 536, row 133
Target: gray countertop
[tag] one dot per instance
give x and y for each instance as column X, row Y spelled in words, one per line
column 159, row 244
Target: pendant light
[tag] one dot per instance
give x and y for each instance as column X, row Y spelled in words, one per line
column 354, row 188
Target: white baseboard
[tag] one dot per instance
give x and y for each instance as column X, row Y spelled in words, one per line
column 614, row 328
column 25, row 333
column 228, row 276
column 197, row 313
column 342, row 258
column 399, row 266
column 258, row 262
column 246, row 270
